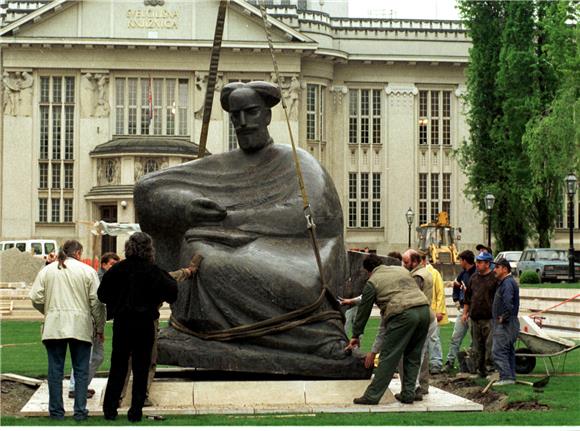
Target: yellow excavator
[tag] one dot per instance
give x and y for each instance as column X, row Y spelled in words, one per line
column 438, row 239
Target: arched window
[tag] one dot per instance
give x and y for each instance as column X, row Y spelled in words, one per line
column 151, row 165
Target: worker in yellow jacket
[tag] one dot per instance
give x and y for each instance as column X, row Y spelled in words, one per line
column 438, row 306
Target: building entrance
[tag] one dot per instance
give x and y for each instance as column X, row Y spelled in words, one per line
column 109, row 215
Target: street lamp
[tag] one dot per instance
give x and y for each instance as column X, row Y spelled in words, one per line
column 409, row 215
column 489, row 201
column 571, row 189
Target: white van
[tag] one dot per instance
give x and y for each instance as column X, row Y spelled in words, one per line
column 38, row 247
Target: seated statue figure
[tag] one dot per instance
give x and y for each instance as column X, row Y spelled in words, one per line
column 257, row 303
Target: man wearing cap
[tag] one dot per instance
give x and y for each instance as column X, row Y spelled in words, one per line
column 405, row 313
column 506, row 326
column 478, row 308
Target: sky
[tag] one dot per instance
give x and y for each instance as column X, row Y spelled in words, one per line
column 417, row 9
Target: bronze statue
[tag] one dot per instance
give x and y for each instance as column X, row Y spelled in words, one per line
column 242, row 210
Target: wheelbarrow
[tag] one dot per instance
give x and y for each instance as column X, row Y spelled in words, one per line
column 538, row 344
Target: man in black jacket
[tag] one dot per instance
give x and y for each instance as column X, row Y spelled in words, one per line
column 132, row 291
column 477, row 308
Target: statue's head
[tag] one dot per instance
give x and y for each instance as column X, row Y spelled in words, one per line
column 249, row 105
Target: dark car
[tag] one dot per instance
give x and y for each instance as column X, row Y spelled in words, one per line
column 551, row 264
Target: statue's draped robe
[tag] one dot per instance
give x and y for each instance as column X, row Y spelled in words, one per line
column 258, row 262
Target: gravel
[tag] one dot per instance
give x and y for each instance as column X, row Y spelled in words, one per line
column 18, row 266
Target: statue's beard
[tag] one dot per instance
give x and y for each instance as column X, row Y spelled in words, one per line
column 254, row 140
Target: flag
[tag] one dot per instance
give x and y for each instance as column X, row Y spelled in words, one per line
column 150, row 100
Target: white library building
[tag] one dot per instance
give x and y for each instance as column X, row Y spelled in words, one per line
column 97, row 93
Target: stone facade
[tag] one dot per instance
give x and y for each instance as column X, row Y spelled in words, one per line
column 378, row 102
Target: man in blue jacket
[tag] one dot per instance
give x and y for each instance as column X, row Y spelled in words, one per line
column 467, row 262
column 506, row 326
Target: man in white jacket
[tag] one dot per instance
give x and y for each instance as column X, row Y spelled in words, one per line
column 66, row 293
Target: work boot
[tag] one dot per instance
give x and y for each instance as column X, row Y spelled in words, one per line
column 418, row 395
column 447, row 368
column 421, row 391
column 363, row 400
column 400, row 399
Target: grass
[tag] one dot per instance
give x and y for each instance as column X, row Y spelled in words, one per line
column 28, row 357
column 551, row 286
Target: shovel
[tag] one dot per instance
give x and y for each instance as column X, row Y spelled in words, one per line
column 489, row 385
column 539, row 384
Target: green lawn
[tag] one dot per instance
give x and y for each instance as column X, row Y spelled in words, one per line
column 551, row 286
column 562, row 395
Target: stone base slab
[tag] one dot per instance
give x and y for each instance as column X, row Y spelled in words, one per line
column 177, row 397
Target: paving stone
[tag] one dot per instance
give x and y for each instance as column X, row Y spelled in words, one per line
column 255, row 393
column 257, row 397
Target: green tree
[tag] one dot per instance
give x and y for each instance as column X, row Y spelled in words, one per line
column 517, row 87
column 551, row 138
column 477, row 157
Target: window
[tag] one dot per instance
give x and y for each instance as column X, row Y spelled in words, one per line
column 55, row 210
column 446, row 198
column 352, row 199
column 43, row 175
column 422, row 198
column 376, row 200
column 364, row 200
column 315, row 130
column 68, row 210
column 56, row 146
column 434, row 195
column 364, row 116
column 151, row 106
column 42, row 210
column 364, row 128
column 434, row 117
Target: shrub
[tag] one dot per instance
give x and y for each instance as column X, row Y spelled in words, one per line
column 530, row 277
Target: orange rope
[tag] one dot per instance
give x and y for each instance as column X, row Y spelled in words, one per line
column 557, row 305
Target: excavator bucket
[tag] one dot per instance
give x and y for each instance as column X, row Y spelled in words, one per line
column 449, row 271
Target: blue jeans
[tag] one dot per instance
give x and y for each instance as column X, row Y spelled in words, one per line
column 80, row 352
column 97, row 357
column 435, row 351
column 503, row 350
column 459, row 332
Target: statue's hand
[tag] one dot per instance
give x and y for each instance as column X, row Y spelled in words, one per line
column 203, row 209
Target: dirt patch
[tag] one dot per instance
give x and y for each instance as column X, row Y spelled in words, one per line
column 13, row 396
column 467, row 388
column 526, row 405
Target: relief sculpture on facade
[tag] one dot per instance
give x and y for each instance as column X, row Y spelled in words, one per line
column 338, row 93
column 95, row 95
column 400, row 95
column 108, row 172
column 200, row 90
column 293, row 97
column 17, row 93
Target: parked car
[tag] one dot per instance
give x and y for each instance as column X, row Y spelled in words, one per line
column 551, row 264
column 512, row 256
column 37, row 247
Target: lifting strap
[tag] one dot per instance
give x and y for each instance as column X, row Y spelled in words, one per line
column 294, row 318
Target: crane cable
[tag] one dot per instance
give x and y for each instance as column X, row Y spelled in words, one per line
column 306, row 205
column 212, row 77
